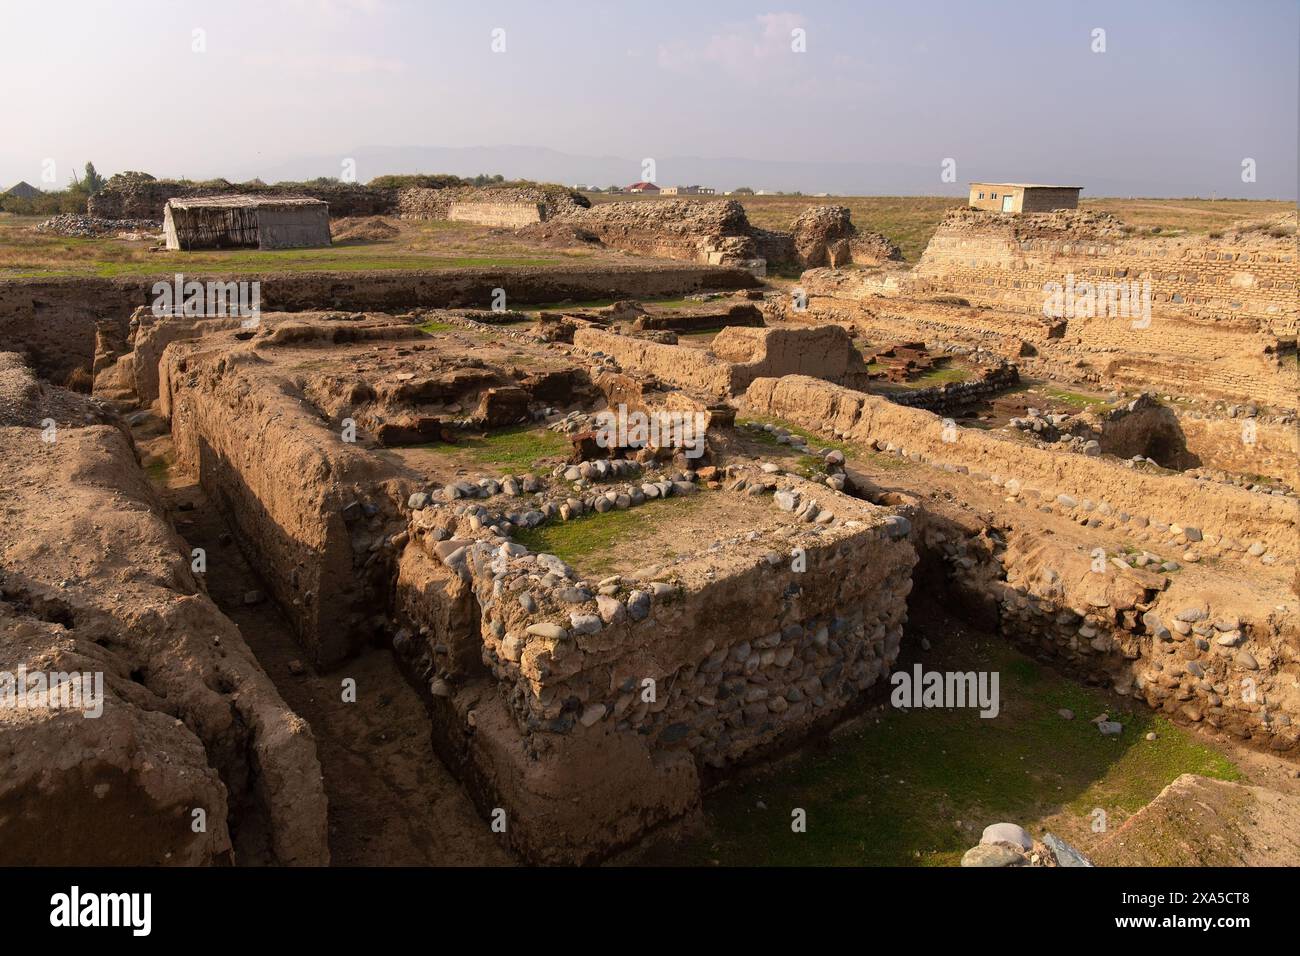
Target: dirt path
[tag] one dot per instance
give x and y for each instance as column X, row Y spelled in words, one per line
column 391, row 801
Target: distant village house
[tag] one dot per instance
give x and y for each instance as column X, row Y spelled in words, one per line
column 687, row 191
column 1023, row 197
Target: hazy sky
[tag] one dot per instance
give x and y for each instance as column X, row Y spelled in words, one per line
column 1184, row 91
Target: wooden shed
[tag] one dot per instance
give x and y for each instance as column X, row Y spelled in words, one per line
column 246, row 222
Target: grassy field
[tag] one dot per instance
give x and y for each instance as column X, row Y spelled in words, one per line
column 916, row 787
column 423, row 245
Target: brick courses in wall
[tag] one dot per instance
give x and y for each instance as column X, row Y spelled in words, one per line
column 505, row 214
column 1223, row 315
column 1223, row 312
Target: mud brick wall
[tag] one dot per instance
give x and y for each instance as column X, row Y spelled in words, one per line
column 506, row 214
column 189, row 720
column 300, row 500
column 1218, row 310
column 1274, row 448
column 692, row 369
column 418, row 202
column 1235, row 514
column 737, row 356
column 53, row 321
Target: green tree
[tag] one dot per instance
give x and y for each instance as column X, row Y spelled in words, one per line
column 92, row 182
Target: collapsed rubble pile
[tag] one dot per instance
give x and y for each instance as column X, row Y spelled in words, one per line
column 94, row 227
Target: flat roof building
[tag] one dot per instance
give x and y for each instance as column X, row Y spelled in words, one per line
column 246, row 222
column 1023, row 197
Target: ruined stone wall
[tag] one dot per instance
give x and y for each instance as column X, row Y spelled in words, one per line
column 736, row 656
column 1222, row 312
column 826, row 236
column 136, row 196
column 1195, row 655
column 691, row 229
column 954, row 395
column 146, row 198
column 718, row 231
column 1241, row 518
column 745, row 313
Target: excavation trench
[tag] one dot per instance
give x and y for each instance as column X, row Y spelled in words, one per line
column 392, row 802
column 550, row 727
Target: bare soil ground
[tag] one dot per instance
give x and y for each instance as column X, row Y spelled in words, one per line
column 1232, row 824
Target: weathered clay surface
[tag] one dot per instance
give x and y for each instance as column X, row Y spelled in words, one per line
column 95, row 579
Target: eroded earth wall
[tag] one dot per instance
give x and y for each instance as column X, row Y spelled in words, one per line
column 53, row 321
column 94, row 580
column 1235, row 513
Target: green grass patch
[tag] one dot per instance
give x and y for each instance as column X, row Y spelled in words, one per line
column 432, row 327
column 891, row 791
column 812, row 438
column 810, row 466
column 885, row 461
column 515, row 448
column 158, row 468
column 940, row 375
column 582, row 541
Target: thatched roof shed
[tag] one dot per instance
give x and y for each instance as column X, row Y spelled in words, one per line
column 233, row 222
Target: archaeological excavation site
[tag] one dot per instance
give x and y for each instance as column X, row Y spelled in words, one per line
column 893, row 475
column 563, row 564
